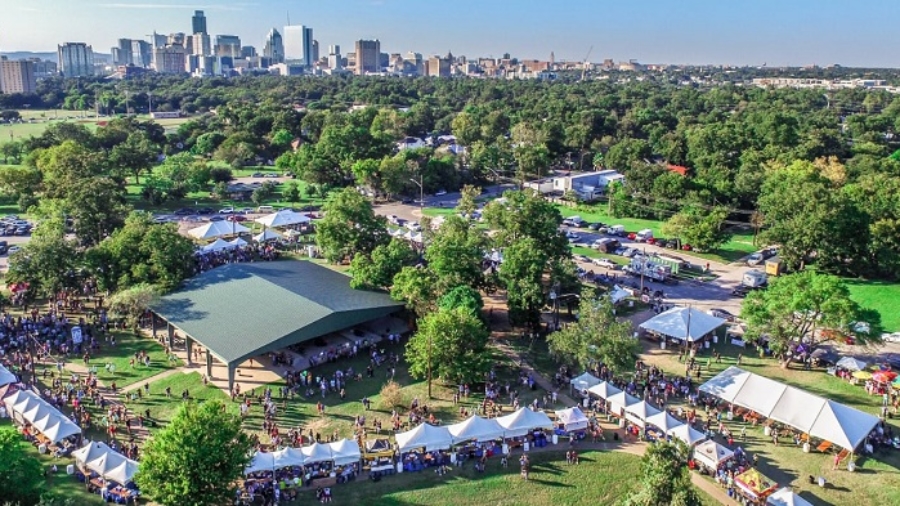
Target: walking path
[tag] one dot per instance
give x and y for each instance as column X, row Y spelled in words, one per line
column 165, row 374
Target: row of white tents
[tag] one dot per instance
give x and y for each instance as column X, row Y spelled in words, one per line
column 340, row 452
column 26, row 406
column 217, row 229
column 822, row 418
column 108, row 463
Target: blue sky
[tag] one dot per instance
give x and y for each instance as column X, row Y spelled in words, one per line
column 776, row 32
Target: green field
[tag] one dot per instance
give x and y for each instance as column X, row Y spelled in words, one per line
column 127, row 344
column 881, row 296
column 45, row 118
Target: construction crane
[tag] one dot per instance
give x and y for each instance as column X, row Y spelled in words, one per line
column 585, row 63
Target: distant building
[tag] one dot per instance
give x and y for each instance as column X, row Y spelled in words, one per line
column 141, row 53
column 17, row 76
column 274, row 48
column 315, row 51
column 228, row 45
column 368, row 56
column 248, row 52
column 198, row 22
column 170, row 60
column 335, row 62
column 587, row 186
column 76, row 59
column 298, row 44
column 439, row 67
column 44, row 68
column 286, row 69
column 201, row 45
column 122, row 53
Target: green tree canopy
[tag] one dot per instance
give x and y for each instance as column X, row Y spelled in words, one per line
column 704, row 229
column 665, row 479
column 197, row 458
column 454, row 342
column 350, row 226
column 378, row 269
column 21, row 476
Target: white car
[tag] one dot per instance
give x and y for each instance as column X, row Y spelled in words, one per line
column 605, row 262
column 440, row 193
column 755, row 259
column 573, row 236
column 226, row 210
column 414, row 226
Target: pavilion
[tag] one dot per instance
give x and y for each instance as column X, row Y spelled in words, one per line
column 242, row 310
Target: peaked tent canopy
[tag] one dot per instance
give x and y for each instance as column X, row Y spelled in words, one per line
column 237, row 243
column 261, row 461
column 524, row 421
column 572, row 419
column 215, row 229
column 106, row 462
column 267, row 235
column 585, row 381
column 688, row 434
column 639, row 411
column 604, row 390
column 6, row 376
column 344, row 452
column 683, row 323
column 622, row 400
column 711, row 454
column 618, row 294
column 475, row 429
column 217, row 245
column 27, row 406
column 786, row 497
column 851, row 364
column 424, row 436
column 288, row 457
column 283, row 218
column 820, row 417
column 663, row 421
column 316, row 452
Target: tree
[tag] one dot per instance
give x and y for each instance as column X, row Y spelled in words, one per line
column 47, row 262
column 464, row 297
column 207, row 143
column 178, row 466
column 468, row 199
column 416, row 287
column 350, row 226
column 97, row 205
column 665, row 479
column 526, row 214
column 20, row 473
column 597, row 337
column 292, row 192
column 806, row 307
column 391, row 395
column 704, row 229
column 136, row 155
column 378, row 269
column 522, row 273
column 450, row 344
column 455, row 254
column 132, row 303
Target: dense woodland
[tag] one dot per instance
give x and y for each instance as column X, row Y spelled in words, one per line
column 816, row 172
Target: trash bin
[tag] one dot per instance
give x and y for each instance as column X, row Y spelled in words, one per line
column 526, row 446
column 70, row 469
column 662, row 344
column 556, row 439
column 453, row 458
column 399, row 467
column 42, row 449
column 806, row 448
column 851, row 466
column 505, row 449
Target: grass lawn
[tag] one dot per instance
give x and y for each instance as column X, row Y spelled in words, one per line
column 162, row 409
column 127, row 344
column 45, row 118
column 880, row 296
column 786, row 463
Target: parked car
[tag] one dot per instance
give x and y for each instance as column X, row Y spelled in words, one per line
column 236, row 218
column 581, row 258
column 573, row 221
column 440, row 193
column 755, row 258
column 605, row 262
column 205, row 210
column 573, row 236
column 184, row 211
column 226, row 210
column 721, row 313
column 272, row 175
column 257, row 174
column 741, row 291
column 216, row 218
column 595, row 226
column 13, row 249
column 4, row 247
column 687, row 247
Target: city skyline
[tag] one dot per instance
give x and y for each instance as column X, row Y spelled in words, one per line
column 794, row 33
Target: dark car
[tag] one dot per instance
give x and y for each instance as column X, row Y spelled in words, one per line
column 184, row 211
column 740, row 291
column 407, row 201
column 595, row 226
column 205, row 210
column 217, row 218
column 4, row 247
column 236, row 217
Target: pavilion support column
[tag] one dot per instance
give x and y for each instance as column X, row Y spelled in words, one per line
column 209, row 364
column 171, row 329
column 231, row 369
column 189, row 345
column 153, row 324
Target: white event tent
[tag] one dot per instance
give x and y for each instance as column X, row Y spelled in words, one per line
column 663, row 421
column 851, row 364
column 604, row 390
column 618, row 294
column 585, row 381
column 711, row 454
column 786, row 497
column 288, row 457
column 639, row 411
column 218, row 245
column 688, row 434
column 26, row 406
column 621, row 400
column 283, row 218
column 6, row 376
column 237, row 243
column 424, row 436
column 315, row 453
column 823, row 418
column 475, row 428
column 344, row 452
column 106, row 462
column 683, row 323
column 215, row 229
column 524, row 421
column 267, row 235
column 572, row 419
column 262, row 461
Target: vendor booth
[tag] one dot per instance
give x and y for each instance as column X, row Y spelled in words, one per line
column 344, row 452
column 261, row 461
column 379, row 456
column 288, row 457
column 604, row 390
column 686, row 433
column 712, row 455
column 106, row 462
column 754, row 486
column 26, row 407
column 638, row 412
column 683, row 324
column 524, row 421
column 572, row 419
column 786, row 497
column 618, row 402
column 658, row 425
column 476, row 429
column 585, row 381
column 425, row 436
column 315, row 453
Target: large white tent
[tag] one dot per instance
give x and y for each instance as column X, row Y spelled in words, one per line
column 424, row 436
column 26, row 406
column 604, row 390
column 618, row 294
column 621, row 400
column 267, row 235
column 663, row 421
column 217, row 245
column 237, row 243
column 524, row 421
column 283, row 218
column 6, row 376
column 711, row 454
column 683, row 323
column 638, row 412
column 817, row 416
column 572, row 419
column 344, row 452
column 686, row 433
column 215, row 229
column 288, row 457
column 475, row 429
column 585, row 381
column 106, row 462
column 786, row 497
column 316, row 452
column 262, row 461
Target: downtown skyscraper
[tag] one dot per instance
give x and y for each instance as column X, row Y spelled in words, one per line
column 298, row 44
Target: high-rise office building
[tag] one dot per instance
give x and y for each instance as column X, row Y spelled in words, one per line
column 335, row 61
column 298, row 44
column 274, row 48
column 228, row 45
column 170, row 59
column 122, row 53
column 141, row 53
column 198, row 22
column 76, row 59
column 158, row 40
column 439, row 67
column 201, row 45
column 17, row 76
column 248, row 52
column 315, row 51
column 368, row 56
column 177, row 38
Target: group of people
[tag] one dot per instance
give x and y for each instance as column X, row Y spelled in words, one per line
column 206, row 260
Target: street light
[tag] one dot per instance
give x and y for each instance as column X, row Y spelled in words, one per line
column 555, row 298
column 421, row 184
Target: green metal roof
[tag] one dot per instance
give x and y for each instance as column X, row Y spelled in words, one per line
column 242, row 310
